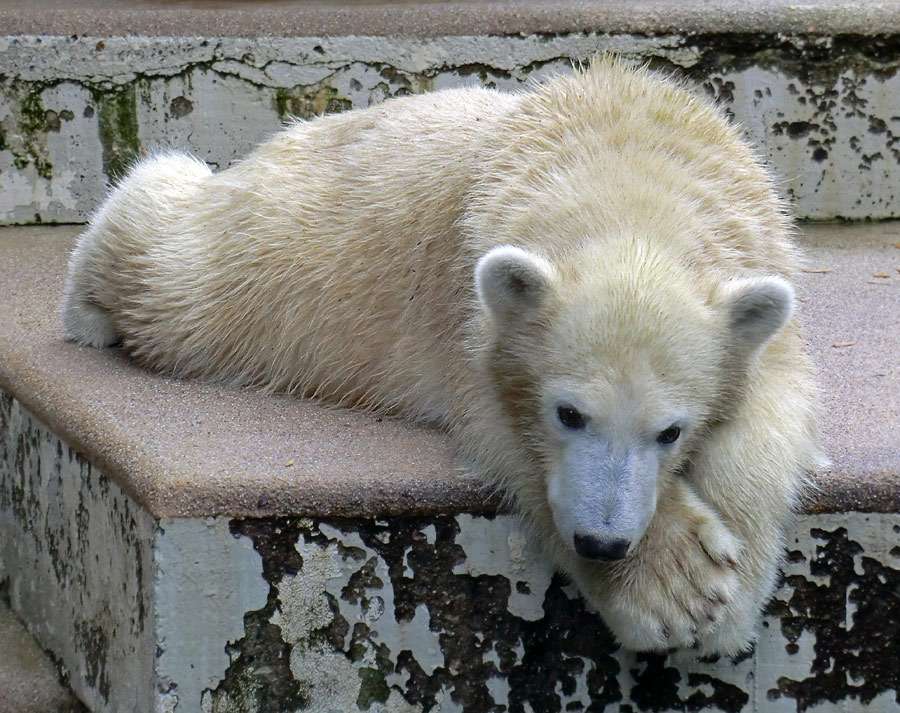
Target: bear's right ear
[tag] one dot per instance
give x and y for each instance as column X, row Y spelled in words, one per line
column 510, row 280
column 757, row 309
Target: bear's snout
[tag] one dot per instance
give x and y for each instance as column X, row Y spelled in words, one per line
column 596, row 548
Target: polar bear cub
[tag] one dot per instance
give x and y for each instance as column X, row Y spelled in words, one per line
column 588, row 284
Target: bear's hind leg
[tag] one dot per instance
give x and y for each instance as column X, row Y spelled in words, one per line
column 84, row 318
column 88, row 324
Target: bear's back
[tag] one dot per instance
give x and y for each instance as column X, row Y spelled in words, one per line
column 337, row 259
column 329, row 259
column 612, row 151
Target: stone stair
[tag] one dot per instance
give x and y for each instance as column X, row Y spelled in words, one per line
column 179, row 546
column 29, row 680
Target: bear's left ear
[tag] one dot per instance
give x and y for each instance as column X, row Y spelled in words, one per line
column 510, row 281
column 757, row 309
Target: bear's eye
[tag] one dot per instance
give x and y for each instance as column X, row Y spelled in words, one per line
column 669, row 436
column 570, row 417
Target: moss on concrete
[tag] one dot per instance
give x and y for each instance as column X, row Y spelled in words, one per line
column 307, row 102
column 259, row 679
column 118, row 129
column 373, row 688
column 24, row 133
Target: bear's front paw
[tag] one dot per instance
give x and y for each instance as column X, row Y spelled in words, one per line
column 673, row 591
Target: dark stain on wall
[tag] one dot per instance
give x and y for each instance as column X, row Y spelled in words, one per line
column 94, row 645
column 56, row 532
column 259, row 677
column 479, row 637
column 854, row 620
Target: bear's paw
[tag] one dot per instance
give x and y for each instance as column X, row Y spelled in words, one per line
column 676, row 588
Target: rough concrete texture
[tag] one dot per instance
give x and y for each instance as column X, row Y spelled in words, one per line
column 76, row 110
column 139, row 612
column 29, row 681
column 252, row 18
column 851, row 315
column 76, row 557
column 440, row 613
column 192, row 449
column 240, row 453
column 460, row 613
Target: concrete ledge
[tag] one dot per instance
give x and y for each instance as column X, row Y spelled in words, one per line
column 191, row 449
column 187, row 449
column 241, row 18
column 439, row 614
column 370, row 574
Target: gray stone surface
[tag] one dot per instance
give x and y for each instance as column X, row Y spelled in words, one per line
column 138, row 611
column 76, row 558
column 192, row 449
column 29, row 681
column 436, row 18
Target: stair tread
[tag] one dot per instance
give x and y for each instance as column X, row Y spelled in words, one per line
column 192, row 449
column 247, row 18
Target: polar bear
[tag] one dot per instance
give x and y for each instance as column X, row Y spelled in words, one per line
column 586, row 283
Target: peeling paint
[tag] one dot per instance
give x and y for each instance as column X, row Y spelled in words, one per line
column 489, row 657
column 849, row 615
column 512, row 557
column 259, row 677
column 205, row 580
column 305, row 103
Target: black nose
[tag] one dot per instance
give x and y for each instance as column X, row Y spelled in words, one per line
column 593, row 548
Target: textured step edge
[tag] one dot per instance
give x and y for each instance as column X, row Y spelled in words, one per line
column 186, row 448
column 434, row 19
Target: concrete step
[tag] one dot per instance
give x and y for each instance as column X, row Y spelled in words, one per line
column 180, row 546
column 29, row 680
column 86, row 86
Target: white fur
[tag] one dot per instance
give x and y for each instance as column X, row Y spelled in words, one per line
column 759, row 308
column 509, row 280
column 478, row 258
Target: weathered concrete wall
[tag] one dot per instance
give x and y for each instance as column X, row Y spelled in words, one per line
column 206, row 578
column 77, row 556
column 398, row 615
column 75, row 111
column 138, row 612
column 458, row 613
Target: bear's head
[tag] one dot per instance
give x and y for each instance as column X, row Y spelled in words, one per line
column 612, row 369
